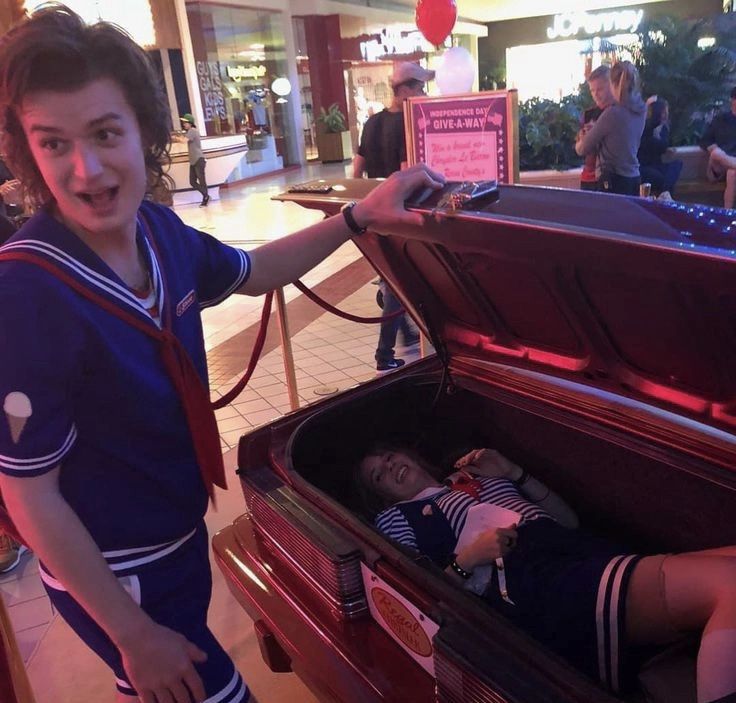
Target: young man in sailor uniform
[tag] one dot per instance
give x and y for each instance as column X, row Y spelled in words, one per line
column 108, row 442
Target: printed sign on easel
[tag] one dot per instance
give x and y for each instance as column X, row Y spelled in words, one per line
column 466, row 137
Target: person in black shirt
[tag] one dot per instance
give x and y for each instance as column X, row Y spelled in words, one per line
column 382, row 151
column 654, row 143
column 720, row 140
column 383, row 145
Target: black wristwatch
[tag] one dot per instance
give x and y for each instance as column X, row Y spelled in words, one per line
column 347, row 213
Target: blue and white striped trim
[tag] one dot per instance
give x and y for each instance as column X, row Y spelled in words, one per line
column 242, row 276
column 18, row 466
column 609, row 618
column 80, row 270
column 393, row 524
column 235, row 691
column 119, row 559
column 125, row 688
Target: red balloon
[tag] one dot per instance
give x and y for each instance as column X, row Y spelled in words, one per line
column 435, row 19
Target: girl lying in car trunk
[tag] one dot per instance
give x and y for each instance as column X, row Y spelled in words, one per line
column 586, row 598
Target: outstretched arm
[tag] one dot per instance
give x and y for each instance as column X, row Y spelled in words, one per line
column 158, row 660
column 488, row 462
column 284, row 260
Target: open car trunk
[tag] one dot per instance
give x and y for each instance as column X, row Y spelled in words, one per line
column 646, row 497
column 590, row 339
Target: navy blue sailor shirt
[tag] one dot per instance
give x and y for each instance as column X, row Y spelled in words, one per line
column 83, row 389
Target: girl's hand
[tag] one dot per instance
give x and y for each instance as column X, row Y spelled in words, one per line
column 487, row 547
column 383, row 208
column 490, row 463
column 160, row 666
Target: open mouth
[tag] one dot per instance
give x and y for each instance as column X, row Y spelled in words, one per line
column 100, row 199
column 402, row 472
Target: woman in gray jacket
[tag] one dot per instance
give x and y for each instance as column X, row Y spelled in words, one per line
column 615, row 136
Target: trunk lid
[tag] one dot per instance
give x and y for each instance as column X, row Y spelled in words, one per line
column 624, row 294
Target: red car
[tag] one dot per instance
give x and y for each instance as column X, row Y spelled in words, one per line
column 589, row 337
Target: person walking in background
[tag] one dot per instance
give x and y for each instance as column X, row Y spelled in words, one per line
column 719, row 139
column 599, row 82
column 197, row 161
column 390, row 304
column 655, row 141
column 382, row 151
column 616, row 134
column 382, row 147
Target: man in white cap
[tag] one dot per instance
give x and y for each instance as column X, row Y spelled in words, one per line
column 383, row 151
column 383, row 147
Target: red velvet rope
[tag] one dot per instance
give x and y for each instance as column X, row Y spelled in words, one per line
column 346, row 315
column 235, row 391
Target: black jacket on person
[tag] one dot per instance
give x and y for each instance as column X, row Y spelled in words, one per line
column 655, row 140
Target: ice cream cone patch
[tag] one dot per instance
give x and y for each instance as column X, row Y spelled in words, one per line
column 17, row 408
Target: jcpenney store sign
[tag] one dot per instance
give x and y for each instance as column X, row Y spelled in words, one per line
column 572, row 24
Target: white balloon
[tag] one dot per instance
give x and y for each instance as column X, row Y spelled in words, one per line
column 456, row 73
column 281, row 86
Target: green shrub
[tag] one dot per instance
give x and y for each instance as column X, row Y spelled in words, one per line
column 694, row 81
column 332, row 119
column 547, row 133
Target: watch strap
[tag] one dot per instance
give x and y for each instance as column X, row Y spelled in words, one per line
column 347, row 213
column 462, row 573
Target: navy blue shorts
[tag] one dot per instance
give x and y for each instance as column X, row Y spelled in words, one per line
column 173, row 584
column 569, row 591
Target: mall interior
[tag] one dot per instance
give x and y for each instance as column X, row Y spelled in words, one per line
column 256, row 75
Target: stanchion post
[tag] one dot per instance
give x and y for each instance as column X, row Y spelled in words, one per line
column 289, row 370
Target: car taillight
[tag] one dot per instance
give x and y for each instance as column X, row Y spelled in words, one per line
column 320, row 553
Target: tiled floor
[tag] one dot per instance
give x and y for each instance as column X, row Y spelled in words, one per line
column 330, row 354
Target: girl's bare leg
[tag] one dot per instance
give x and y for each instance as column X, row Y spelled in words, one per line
column 669, row 595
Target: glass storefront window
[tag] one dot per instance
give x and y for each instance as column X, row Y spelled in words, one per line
column 239, row 52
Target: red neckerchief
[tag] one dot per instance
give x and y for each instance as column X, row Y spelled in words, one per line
column 179, row 366
column 465, row 482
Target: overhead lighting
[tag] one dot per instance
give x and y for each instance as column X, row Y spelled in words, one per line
column 706, row 42
column 134, row 16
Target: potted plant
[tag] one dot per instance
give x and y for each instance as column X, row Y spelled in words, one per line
column 333, row 137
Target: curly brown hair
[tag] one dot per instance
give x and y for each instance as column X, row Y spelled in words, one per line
column 55, row 50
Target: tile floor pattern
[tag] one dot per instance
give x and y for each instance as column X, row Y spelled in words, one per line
column 330, row 354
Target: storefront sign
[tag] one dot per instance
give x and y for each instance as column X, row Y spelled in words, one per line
column 398, row 616
column 393, row 42
column 471, row 137
column 210, row 88
column 238, row 73
column 570, row 24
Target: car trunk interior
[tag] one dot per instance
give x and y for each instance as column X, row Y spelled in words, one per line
column 652, row 502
